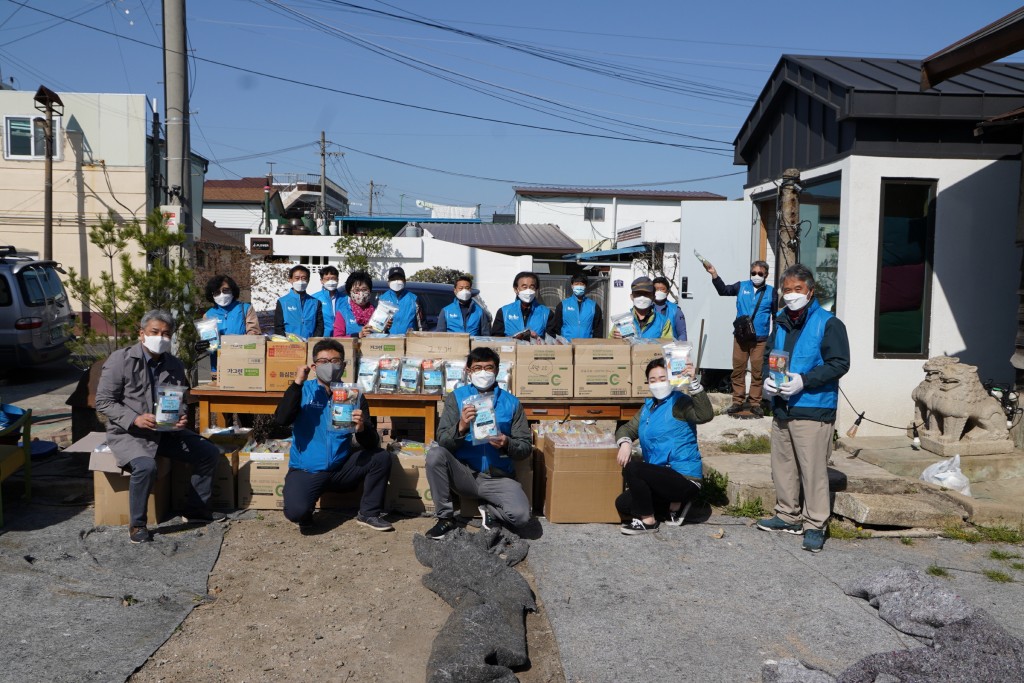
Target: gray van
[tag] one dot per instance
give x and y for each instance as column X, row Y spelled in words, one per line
column 35, row 316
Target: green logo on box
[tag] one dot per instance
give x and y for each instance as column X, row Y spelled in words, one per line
column 251, row 372
column 613, row 379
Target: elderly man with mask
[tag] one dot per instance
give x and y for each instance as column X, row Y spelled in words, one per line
column 323, row 458
column 128, row 394
column 483, row 470
column 525, row 317
column 296, row 312
column 647, row 322
column 464, row 315
column 804, row 406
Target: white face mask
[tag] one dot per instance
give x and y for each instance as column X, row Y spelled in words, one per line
column 757, row 280
column 330, row 285
column 660, row 390
column 397, row 285
column 527, row 295
column 223, row 299
column 464, row 294
column 642, row 302
column 360, row 297
column 660, row 296
column 156, row 344
column 300, row 285
column 482, row 380
column 794, row 301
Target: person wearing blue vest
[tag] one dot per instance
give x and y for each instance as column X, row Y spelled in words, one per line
column 323, row 458
column 409, row 315
column 297, row 312
column 804, row 406
column 669, row 309
column 486, row 470
column 233, row 316
column 577, row 317
column 464, row 314
column 668, row 478
column 329, row 297
column 647, row 322
column 756, row 300
column 525, row 318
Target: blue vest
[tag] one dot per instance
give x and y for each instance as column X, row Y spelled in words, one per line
column 806, row 355
column 328, row 308
column 670, row 310
column 299, row 314
column 405, row 316
column 454, row 321
column 485, row 457
column 668, row 441
column 513, row 315
column 316, row 447
column 578, row 318
column 745, row 301
column 352, row 328
column 653, row 329
column 230, row 318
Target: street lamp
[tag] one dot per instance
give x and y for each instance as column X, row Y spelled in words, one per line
column 48, row 101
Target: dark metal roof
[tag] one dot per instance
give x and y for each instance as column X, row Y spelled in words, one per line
column 628, row 193
column 519, row 238
column 591, row 255
column 1002, row 38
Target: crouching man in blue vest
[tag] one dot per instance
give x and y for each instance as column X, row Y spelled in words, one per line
column 484, row 471
column 323, row 458
column 804, row 408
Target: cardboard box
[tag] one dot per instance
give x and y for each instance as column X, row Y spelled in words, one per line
column 543, row 371
column 505, row 347
column 351, row 355
column 261, row 480
column 601, row 380
column 242, row 363
column 581, row 484
column 223, row 494
column 446, row 345
column 613, row 351
column 408, row 489
column 110, row 488
column 642, row 354
column 283, row 361
column 375, row 347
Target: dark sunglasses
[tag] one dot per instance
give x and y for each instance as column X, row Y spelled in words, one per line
column 754, row 272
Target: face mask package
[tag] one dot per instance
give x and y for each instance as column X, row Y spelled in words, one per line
column 207, row 329
column 409, row 379
column 484, row 426
column 433, row 376
column 168, row 406
column 344, row 400
column 367, row 377
column 625, row 325
column 677, row 355
column 382, row 316
column 778, row 367
column 454, row 375
column 504, row 376
column 387, row 375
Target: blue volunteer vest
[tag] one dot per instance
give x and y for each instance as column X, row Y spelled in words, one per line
column 654, row 327
column 485, row 457
column 513, row 315
column 230, row 318
column 316, row 447
column 668, row 441
column 806, row 355
column 745, row 301
column 577, row 318
column 670, row 310
column 454, row 321
column 299, row 314
column 405, row 316
column 352, row 328
column 328, row 308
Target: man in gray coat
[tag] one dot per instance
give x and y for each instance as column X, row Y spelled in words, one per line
column 127, row 396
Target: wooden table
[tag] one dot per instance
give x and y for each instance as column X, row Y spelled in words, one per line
column 620, row 409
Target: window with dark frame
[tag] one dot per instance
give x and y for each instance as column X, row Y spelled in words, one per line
column 593, row 213
column 905, row 247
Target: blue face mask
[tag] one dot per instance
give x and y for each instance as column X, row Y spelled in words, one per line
column 579, row 290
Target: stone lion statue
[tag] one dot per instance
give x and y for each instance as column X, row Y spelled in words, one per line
column 958, row 415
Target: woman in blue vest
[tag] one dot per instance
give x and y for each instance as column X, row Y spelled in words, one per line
column 356, row 308
column 647, row 322
column 233, row 316
column 409, row 316
column 577, row 317
column 525, row 318
column 464, row 314
column 298, row 313
column 669, row 477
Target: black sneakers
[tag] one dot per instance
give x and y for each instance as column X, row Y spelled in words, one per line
column 441, row 529
column 637, row 527
column 139, row 534
column 375, row 523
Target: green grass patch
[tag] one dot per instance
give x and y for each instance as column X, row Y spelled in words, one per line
column 998, row 576
column 846, row 531
column 714, row 489
column 1000, row 555
column 906, row 540
column 989, row 534
column 936, row 570
column 749, row 444
column 1019, row 566
column 751, row 508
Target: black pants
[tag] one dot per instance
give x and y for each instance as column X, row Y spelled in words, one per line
column 651, row 489
column 302, row 489
column 190, row 448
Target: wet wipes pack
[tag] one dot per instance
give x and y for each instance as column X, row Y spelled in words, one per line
column 625, row 324
column 367, row 377
column 387, row 374
column 344, row 400
column 168, row 406
column 778, row 367
column 209, row 332
column 409, row 380
column 484, row 425
column 454, row 375
column 433, row 376
column 677, row 356
column 382, row 316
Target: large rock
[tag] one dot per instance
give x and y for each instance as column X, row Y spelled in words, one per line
column 911, row 510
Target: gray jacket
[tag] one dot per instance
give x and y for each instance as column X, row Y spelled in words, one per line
column 125, row 392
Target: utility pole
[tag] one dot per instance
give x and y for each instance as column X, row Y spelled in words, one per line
column 323, row 177
column 788, row 253
column 371, row 197
column 401, row 203
column 179, row 161
column 46, row 100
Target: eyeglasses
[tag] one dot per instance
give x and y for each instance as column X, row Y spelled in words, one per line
column 225, row 291
column 482, row 368
column 333, row 361
column 754, row 272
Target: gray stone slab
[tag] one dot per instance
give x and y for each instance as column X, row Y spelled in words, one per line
column 914, row 510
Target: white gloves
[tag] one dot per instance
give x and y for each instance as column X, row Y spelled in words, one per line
column 695, row 386
column 770, row 390
column 794, row 386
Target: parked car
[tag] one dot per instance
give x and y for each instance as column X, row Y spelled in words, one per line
column 432, row 296
column 35, row 315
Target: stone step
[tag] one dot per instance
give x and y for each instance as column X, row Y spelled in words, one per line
column 896, row 455
column 913, row 510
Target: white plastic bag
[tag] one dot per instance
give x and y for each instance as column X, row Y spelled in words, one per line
column 947, row 474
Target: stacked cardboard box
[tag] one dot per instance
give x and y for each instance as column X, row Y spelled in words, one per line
column 543, row 371
column 443, row 345
column 223, row 493
column 505, row 347
column 643, row 352
column 351, row 347
column 601, row 368
column 241, row 363
column 110, row 485
column 375, row 347
column 261, row 480
column 581, row 483
column 408, row 489
column 283, row 361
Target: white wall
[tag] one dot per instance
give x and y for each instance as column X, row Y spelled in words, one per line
column 973, row 287
column 242, row 216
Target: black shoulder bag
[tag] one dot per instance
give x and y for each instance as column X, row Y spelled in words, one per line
column 743, row 326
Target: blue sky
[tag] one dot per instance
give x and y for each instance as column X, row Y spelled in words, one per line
column 677, row 75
